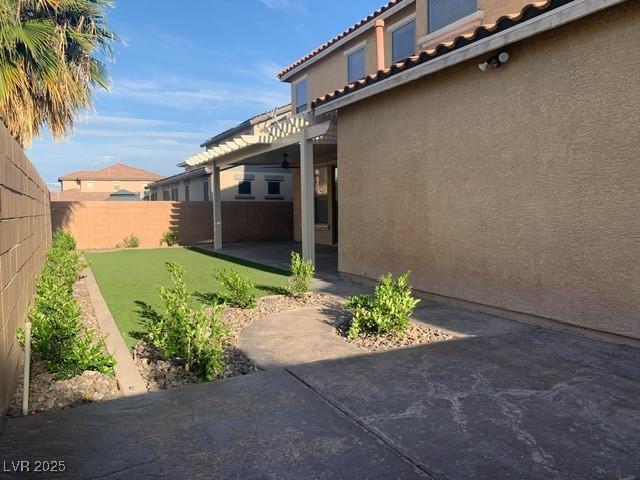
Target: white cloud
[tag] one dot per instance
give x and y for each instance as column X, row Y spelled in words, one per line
column 203, row 96
column 292, row 5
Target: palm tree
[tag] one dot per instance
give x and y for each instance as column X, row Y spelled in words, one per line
column 50, row 65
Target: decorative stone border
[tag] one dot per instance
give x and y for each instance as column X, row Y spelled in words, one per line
column 129, row 379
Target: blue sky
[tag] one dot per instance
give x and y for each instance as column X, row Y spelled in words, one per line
column 189, row 70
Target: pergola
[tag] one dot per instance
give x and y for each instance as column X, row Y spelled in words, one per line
column 299, row 136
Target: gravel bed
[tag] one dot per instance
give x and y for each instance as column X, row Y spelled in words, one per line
column 162, row 373
column 414, row 334
column 48, row 393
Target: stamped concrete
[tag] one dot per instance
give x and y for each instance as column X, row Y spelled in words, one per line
column 294, row 338
column 267, row 425
column 505, row 400
column 534, row 404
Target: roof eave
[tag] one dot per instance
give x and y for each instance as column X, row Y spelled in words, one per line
column 544, row 22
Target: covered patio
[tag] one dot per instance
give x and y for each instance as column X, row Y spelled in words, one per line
column 299, row 142
column 278, row 254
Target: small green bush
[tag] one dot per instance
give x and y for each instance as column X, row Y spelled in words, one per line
column 58, row 335
column 302, row 272
column 132, row 241
column 197, row 336
column 239, row 288
column 62, row 240
column 170, row 237
column 388, row 311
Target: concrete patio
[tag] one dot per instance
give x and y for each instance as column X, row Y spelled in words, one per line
column 278, row 254
column 503, row 400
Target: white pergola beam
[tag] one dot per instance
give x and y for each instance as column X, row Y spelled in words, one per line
column 307, row 200
column 217, row 208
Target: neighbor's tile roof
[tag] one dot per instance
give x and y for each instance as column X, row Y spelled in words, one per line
column 119, row 171
column 340, row 36
column 503, row 23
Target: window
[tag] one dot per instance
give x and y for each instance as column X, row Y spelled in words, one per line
column 165, row 195
column 273, row 188
column 301, row 96
column 403, row 41
column 244, row 188
column 174, row 194
column 154, row 196
column 355, row 63
column 205, row 191
column 186, row 193
column 444, row 12
column 321, row 190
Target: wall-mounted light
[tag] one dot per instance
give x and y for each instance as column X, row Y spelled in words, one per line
column 495, row 62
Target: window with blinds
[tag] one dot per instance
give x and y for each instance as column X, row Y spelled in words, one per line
column 444, row 12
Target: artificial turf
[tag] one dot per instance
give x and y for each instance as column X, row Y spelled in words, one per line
column 126, row 277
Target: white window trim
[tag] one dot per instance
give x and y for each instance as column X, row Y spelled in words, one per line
column 401, row 23
column 355, row 48
column 449, row 32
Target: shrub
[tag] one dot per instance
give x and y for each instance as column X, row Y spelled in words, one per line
column 170, row 237
column 197, row 336
column 387, row 311
column 132, row 241
column 58, row 335
column 240, row 290
column 302, row 272
column 62, row 240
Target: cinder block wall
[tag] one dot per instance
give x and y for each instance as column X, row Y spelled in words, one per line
column 103, row 225
column 25, row 237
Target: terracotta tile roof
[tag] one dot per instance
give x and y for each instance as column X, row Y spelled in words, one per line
column 340, row 36
column 119, row 171
column 503, row 23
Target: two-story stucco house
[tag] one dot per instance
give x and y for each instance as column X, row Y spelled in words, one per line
column 102, row 183
column 245, row 183
column 489, row 146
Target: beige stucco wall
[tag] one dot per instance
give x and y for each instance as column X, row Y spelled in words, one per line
column 25, row 236
column 103, row 186
column 517, row 188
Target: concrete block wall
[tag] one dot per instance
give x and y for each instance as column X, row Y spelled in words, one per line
column 103, row 225
column 25, row 237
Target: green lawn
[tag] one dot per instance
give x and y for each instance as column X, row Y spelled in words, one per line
column 129, row 276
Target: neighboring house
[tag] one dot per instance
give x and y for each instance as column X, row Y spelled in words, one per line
column 99, row 184
column 123, row 196
column 257, row 183
column 490, row 147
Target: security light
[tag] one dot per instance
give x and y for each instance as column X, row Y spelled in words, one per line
column 495, row 62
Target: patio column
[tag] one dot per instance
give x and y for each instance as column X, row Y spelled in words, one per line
column 307, row 197
column 217, row 208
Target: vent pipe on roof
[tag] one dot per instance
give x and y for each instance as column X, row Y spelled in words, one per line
column 380, row 56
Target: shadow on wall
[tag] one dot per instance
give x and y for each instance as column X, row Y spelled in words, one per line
column 62, row 214
column 104, row 225
column 193, row 221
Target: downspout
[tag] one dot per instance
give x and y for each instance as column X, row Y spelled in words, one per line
column 380, row 54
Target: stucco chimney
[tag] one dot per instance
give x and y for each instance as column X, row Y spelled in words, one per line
column 379, row 25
